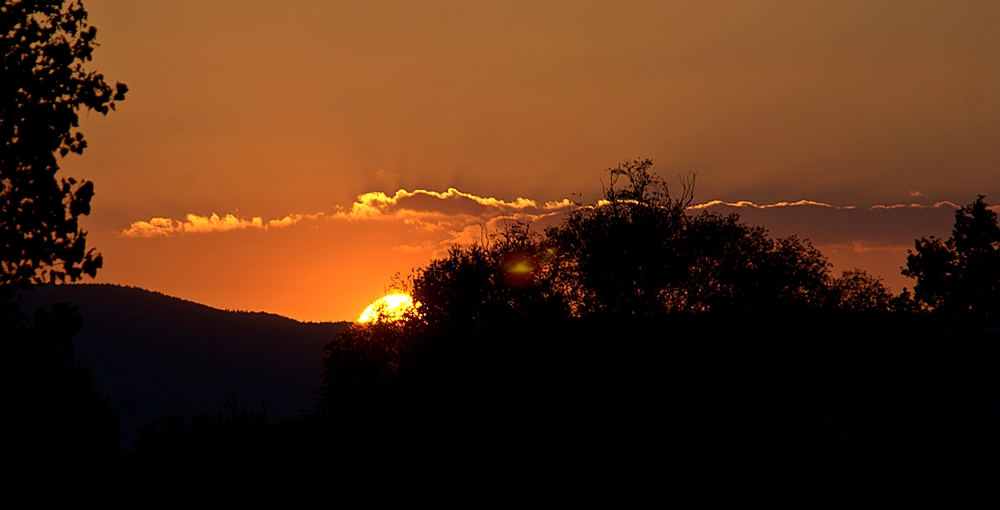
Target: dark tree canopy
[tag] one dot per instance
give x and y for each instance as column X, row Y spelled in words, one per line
column 485, row 283
column 52, row 408
column 639, row 252
column 635, row 317
column 623, row 254
column 858, row 291
column 43, row 86
column 960, row 275
column 738, row 267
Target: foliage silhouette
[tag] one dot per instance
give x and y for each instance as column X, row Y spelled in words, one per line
column 43, row 85
column 737, row 267
column 438, row 348
column 638, row 252
column 858, row 291
column 474, row 287
column 505, row 323
column 960, row 276
column 624, row 253
column 360, row 365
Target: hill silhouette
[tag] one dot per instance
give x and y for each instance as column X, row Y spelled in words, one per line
column 153, row 355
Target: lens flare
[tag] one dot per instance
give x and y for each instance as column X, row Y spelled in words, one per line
column 387, row 308
column 519, row 269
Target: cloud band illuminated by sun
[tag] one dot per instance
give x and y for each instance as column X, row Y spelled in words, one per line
column 449, row 217
column 193, row 223
column 745, row 203
column 451, row 210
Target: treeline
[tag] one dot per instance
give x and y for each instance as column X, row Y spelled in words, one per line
column 633, row 330
column 634, row 320
column 636, row 330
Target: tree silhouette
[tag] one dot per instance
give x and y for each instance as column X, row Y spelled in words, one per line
column 635, row 318
column 360, row 366
column 961, row 275
column 638, row 252
column 43, row 85
column 737, row 267
column 476, row 286
column 50, row 408
column 858, row 291
column 625, row 253
column 438, row 348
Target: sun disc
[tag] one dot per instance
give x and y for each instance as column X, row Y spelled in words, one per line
column 390, row 307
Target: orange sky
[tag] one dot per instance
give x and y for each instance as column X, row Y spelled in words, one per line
column 272, row 109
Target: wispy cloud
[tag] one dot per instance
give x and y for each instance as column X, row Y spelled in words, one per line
column 193, row 223
column 800, row 203
column 375, row 205
column 451, row 217
column 937, row 205
column 456, row 216
column 439, row 219
column 863, row 247
column 744, row 203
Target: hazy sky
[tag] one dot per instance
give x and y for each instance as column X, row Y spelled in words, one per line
column 280, row 109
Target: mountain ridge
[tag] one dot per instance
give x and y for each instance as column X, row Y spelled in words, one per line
column 152, row 355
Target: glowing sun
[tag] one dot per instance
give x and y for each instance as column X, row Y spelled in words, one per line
column 390, row 307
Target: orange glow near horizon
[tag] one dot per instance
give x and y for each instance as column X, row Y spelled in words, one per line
column 290, row 164
column 390, row 307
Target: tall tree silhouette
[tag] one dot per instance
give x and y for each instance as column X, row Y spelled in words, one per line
column 43, row 86
column 960, row 275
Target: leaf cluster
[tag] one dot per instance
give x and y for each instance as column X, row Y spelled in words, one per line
column 43, row 86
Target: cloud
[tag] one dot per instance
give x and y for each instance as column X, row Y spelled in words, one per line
column 917, row 194
column 451, row 216
column 193, row 223
column 423, row 203
column 863, row 247
column 744, row 203
column 159, row 227
column 938, row 205
column 825, row 224
column 437, row 220
column 747, row 204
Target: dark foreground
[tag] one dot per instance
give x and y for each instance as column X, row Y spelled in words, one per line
column 830, row 390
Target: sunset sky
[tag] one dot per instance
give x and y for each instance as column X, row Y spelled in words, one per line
column 338, row 143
